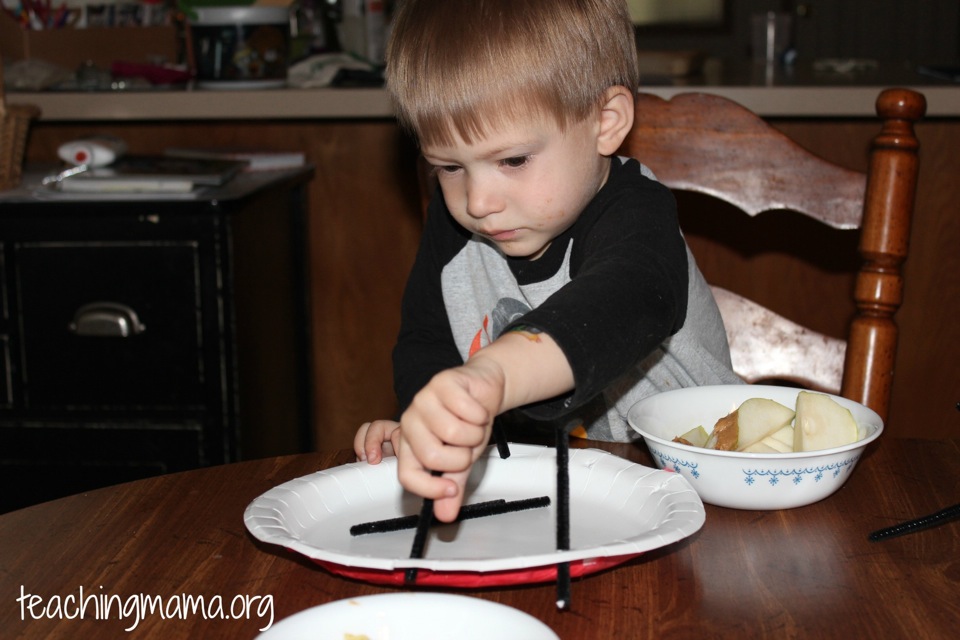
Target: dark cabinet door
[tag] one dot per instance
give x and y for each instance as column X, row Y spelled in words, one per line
column 119, row 324
column 110, row 324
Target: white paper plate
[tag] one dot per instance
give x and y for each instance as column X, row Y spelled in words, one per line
column 618, row 509
column 410, row 616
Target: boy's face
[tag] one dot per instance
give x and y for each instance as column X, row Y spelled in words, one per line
column 522, row 185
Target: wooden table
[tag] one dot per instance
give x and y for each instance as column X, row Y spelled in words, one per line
column 807, row 572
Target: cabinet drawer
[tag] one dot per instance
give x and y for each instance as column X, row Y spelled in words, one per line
column 110, row 324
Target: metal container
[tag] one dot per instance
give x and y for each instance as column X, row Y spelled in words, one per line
column 240, row 47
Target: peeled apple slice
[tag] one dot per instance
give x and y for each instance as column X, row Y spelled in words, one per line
column 761, row 447
column 696, row 437
column 778, row 442
column 781, row 440
column 760, row 417
column 822, row 423
column 753, row 420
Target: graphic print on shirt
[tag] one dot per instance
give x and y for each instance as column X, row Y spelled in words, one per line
column 482, row 296
column 506, row 311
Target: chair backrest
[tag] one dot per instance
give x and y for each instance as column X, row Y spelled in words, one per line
column 710, row 145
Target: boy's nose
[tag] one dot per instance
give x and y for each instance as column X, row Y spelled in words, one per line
column 482, row 199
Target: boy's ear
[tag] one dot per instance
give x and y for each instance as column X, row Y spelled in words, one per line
column 616, row 119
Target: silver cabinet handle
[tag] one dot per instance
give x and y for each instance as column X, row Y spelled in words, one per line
column 106, row 320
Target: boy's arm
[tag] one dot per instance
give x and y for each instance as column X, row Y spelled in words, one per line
column 425, row 344
column 534, row 366
column 628, row 293
column 448, row 424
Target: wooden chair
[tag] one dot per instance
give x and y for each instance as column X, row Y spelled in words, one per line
column 710, row 145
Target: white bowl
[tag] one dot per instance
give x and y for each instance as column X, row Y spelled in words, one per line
column 410, row 616
column 745, row 480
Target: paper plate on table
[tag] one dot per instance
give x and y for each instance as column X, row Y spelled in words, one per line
column 410, row 616
column 618, row 509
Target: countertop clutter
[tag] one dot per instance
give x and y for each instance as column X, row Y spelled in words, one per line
column 800, row 91
column 806, row 88
column 204, row 38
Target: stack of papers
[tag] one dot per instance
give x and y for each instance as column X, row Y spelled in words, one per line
column 256, row 159
column 153, row 174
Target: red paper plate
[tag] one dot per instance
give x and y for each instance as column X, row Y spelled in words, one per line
column 473, row 579
column 618, row 509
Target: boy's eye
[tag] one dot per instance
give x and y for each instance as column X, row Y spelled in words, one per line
column 515, row 162
column 447, row 168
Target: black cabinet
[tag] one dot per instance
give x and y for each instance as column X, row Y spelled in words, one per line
column 106, row 325
column 131, row 333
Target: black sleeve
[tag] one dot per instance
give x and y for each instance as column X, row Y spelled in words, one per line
column 425, row 345
column 627, row 295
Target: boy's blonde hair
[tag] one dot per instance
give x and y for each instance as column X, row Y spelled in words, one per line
column 465, row 66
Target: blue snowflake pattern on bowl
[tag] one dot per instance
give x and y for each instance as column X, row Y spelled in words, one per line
column 797, row 475
column 751, row 476
column 677, row 463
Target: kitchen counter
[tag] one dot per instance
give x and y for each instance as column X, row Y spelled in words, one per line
column 799, row 92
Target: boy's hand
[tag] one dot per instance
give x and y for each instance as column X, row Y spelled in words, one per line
column 376, row 439
column 446, row 428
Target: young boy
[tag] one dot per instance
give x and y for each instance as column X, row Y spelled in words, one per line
column 552, row 276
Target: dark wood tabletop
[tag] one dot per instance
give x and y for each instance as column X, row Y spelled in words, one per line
column 809, row 572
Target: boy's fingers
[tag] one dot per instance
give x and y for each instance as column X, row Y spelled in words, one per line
column 466, row 408
column 372, row 441
column 446, row 509
column 359, row 441
column 452, row 391
column 432, row 453
column 387, row 449
column 460, row 434
column 395, row 441
column 414, row 468
column 444, row 422
column 421, row 482
column 445, row 490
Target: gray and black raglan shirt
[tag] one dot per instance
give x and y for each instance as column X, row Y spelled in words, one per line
column 618, row 291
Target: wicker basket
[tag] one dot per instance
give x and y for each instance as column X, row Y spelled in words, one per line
column 14, row 125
